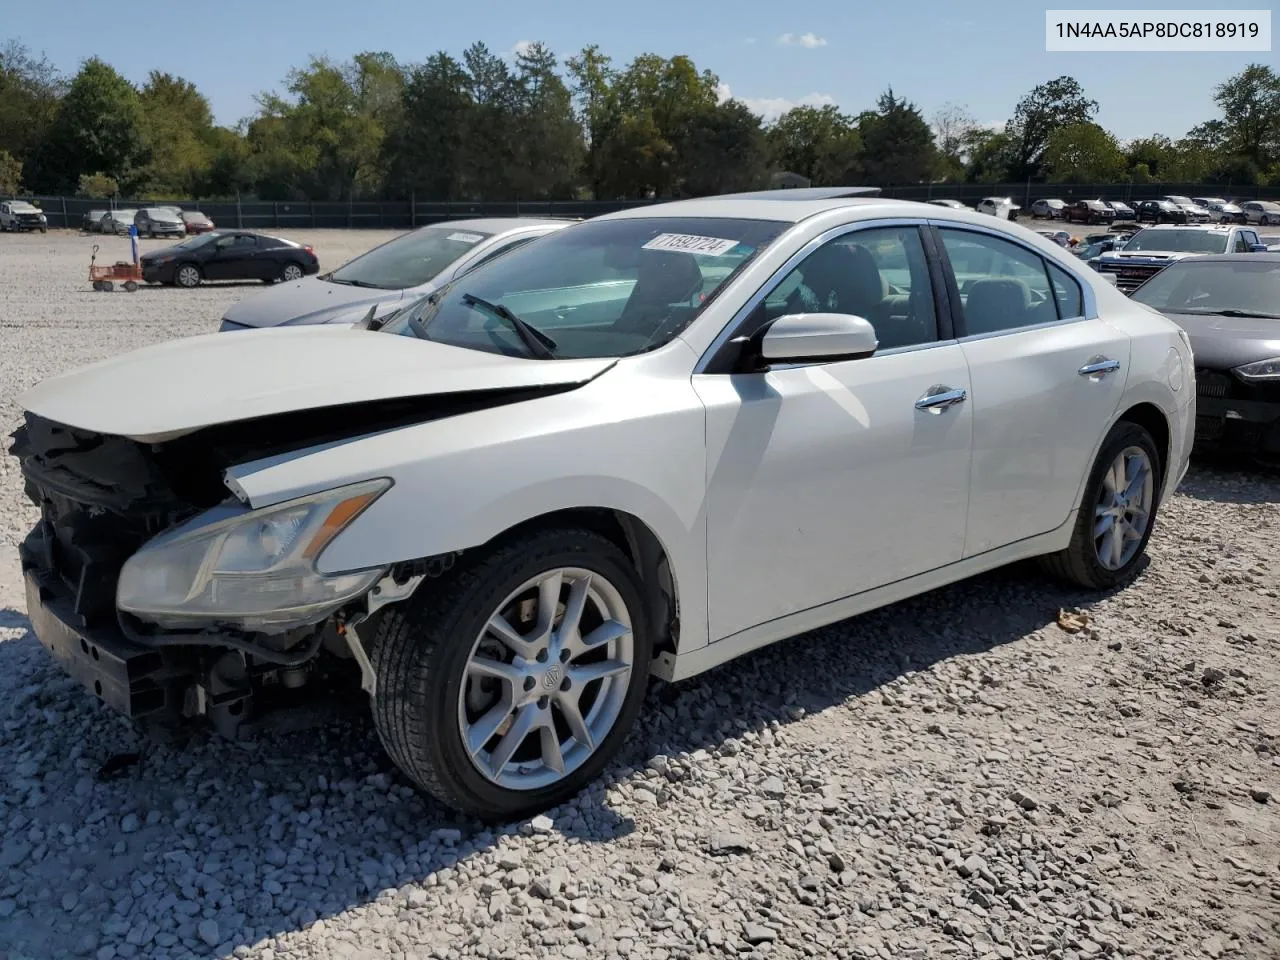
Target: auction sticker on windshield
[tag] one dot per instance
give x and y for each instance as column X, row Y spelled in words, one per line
column 466, row 237
column 687, row 243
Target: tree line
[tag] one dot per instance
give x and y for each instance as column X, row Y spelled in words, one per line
column 528, row 127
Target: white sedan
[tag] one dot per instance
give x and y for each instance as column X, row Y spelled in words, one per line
column 647, row 443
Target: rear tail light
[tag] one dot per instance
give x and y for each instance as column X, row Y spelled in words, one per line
column 309, row 250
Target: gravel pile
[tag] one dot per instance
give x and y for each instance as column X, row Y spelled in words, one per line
column 1001, row 769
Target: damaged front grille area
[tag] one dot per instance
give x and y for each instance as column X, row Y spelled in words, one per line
column 100, row 499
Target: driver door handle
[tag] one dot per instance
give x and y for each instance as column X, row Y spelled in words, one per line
column 939, row 398
column 1099, row 367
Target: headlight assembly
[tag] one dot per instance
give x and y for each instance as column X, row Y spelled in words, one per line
column 1259, row 370
column 254, row 570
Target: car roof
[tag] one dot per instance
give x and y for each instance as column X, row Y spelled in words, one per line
column 496, row 225
column 794, row 212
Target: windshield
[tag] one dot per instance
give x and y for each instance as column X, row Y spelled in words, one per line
column 195, row 217
column 160, row 213
column 21, row 206
column 605, row 288
column 1181, row 201
column 1214, row 286
column 410, row 260
column 198, row 241
column 1178, row 241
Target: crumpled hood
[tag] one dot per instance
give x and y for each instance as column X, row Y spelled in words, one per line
column 173, row 388
column 309, row 300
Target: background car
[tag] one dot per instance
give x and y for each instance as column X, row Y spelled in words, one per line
column 159, row 222
column 91, row 222
column 20, row 215
column 1230, row 308
column 196, row 222
column 1160, row 211
column 1264, row 212
column 1223, row 212
column 953, row 204
column 1270, row 240
column 1002, row 207
column 234, row 255
column 1151, row 250
column 117, row 221
column 1195, row 213
column 1088, row 211
column 1121, row 210
column 390, row 275
column 1047, row 209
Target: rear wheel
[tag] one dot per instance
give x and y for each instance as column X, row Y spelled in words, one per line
column 130, row 286
column 1117, row 512
column 505, row 688
column 187, row 275
column 291, row 271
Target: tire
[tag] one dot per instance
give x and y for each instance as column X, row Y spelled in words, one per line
column 97, row 285
column 1080, row 563
column 291, row 271
column 108, row 286
column 187, row 275
column 130, row 286
column 423, row 651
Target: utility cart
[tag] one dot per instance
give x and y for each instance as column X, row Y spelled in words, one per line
column 106, row 278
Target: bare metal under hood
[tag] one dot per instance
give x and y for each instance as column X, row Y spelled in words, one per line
column 165, row 391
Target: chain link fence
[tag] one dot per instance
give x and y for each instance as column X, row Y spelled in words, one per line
column 75, row 212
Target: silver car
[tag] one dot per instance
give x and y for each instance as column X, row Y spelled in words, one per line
column 390, row 275
column 117, row 221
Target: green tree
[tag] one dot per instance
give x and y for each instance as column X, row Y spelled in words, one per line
column 549, row 145
column 1049, row 107
column 10, row 174
column 1154, row 154
column 991, row 154
column 1250, row 125
column 97, row 128
column 596, row 110
column 819, row 143
column 721, row 150
column 1083, row 153
column 952, row 127
column 30, row 89
column 425, row 152
column 97, row 186
column 177, row 126
column 897, row 144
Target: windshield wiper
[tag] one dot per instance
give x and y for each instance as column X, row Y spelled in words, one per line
column 351, row 283
column 1232, row 312
column 539, row 344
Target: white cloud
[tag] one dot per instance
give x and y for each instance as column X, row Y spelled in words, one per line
column 723, row 93
column 806, row 40
column 521, row 46
column 771, row 108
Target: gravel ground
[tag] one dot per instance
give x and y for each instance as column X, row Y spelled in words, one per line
column 955, row 776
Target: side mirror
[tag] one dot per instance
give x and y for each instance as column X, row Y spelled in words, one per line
column 1257, row 248
column 817, row 338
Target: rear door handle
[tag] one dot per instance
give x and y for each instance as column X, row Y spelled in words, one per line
column 939, row 398
column 1099, row 367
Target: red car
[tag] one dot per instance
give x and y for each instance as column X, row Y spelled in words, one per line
column 196, row 222
column 1088, row 211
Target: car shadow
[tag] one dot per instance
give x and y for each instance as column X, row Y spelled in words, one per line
column 1231, row 479
column 282, row 806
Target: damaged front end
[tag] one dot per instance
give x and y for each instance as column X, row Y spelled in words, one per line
column 169, row 598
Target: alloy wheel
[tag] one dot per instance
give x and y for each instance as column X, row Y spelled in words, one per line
column 1123, row 511
column 546, row 679
column 291, row 272
column 188, row 276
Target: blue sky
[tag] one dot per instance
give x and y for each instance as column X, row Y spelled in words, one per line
column 982, row 55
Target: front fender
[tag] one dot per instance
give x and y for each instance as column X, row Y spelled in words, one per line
column 622, row 442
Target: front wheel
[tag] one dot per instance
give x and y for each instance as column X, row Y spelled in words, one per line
column 506, row 687
column 1117, row 512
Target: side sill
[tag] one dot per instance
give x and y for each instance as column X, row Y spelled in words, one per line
column 674, row 667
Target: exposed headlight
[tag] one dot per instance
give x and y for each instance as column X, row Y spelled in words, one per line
column 1259, row 370
column 254, row 570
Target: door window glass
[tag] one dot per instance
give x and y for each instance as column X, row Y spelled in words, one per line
column 1002, row 285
